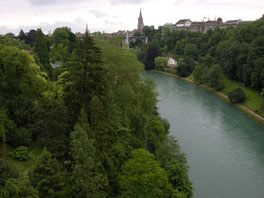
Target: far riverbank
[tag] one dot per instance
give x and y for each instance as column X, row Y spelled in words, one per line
column 242, row 107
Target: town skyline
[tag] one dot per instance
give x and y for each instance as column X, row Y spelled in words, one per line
column 117, row 14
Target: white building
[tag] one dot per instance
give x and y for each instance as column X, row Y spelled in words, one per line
column 171, row 62
column 184, row 23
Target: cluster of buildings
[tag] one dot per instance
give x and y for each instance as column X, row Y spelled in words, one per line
column 204, row 26
column 186, row 24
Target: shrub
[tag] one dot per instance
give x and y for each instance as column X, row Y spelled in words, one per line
column 185, row 67
column 215, row 77
column 21, row 153
column 237, row 96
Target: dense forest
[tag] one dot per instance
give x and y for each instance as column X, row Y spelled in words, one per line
column 236, row 53
column 89, row 128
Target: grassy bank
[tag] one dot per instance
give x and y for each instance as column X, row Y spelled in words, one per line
column 16, row 165
column 254, row 101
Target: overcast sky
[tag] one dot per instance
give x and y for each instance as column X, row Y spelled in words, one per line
column 114, row 15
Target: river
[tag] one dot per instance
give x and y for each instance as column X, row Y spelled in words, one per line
column 224, row 146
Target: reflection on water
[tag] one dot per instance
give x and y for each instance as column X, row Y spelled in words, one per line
column 224, row 146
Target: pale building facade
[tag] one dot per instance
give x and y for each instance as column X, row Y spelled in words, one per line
column 187, row 24
column 172, row 62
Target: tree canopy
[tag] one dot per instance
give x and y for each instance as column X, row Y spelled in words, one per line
column 87, row 117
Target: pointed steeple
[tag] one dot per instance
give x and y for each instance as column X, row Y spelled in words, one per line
column 140, row 14
column 140, row 21
column 86, row 29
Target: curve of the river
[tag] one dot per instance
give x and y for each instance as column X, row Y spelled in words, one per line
column 224, row 146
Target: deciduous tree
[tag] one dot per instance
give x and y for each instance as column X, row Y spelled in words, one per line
column 142, row 177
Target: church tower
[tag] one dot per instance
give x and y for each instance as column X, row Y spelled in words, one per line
column 140, row 21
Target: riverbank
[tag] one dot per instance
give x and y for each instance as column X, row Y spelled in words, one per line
column 242, row 107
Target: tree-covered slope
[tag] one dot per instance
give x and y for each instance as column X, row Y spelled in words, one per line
column 91, row 118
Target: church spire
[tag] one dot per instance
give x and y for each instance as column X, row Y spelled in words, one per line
column 140, row 21
column 86, row 29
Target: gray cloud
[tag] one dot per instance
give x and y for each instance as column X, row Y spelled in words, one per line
column 112, row 2
column 120, row 2
column 77, row 26
column 4, row 29
column 107, row 22
column 50, row 2
column 98, row 13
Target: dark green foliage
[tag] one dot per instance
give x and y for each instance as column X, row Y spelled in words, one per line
column 22, row 35
column 215, row 77
column 21, row 109
column 65, row 37
column 6, row 172
column 21, row 85
column 157, row 134
column 185, row 67
column 179, row 47
column 178, row 177
column 141, row 54
column 7, row 127
column 237, row 96
column 198, row 73
column 98, row 123
column 208, row 60
column 63, row 43
column 152, row 52
column 85, row 77
column 138, row 175
column 13, row 42
column 30, row 37
column 47, row 177
column 161, row 63
column 91, row 118
column 150, row 32
column 241, row 54
column 191, row 51
column 87, row 172
column 10, row 34
column 166, row 125
column 41, row 51
column 21, row 153
column 51, row 127
column 174, row 162
column 18, row 188
column 19, row 75
column 59, row 53
column 212, row 76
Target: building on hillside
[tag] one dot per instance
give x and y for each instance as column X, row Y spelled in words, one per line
column 79, row 35
column 56, row 64
column 197, row 27
column 211, row 25
column 231, row 23
column 188, row 25
column 183, row 24
column 171, row 62
column 140, row 22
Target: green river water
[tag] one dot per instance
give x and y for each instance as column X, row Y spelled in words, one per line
column 224, row 146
